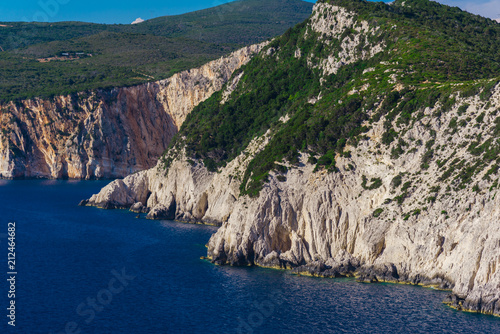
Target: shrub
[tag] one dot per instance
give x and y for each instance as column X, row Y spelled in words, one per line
column 378, row 212
column 375, row 183
column 397, row 180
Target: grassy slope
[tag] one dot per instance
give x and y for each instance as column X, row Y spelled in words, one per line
column 131, row 54
column 433, row 48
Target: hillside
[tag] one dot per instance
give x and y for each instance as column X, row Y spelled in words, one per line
column 363, row 142
column 124, row 55
column 425, row 62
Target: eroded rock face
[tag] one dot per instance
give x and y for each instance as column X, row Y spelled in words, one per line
column 106, row 134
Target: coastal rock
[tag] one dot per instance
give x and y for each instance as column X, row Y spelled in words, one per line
column 138, row 208
column 188, row 190
column 83, row 202
column 163, row 212
column 331, row 22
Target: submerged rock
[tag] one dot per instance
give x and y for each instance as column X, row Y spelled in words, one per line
column 83, row 202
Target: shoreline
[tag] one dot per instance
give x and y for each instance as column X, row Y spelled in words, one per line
column 356, row 276
column 367, row 275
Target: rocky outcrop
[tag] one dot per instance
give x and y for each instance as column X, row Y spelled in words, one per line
column 187, row 188
column 107, row 133
column 331, row 22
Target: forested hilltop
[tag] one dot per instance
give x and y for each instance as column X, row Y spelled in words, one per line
column 48, row 59
column 385, row 62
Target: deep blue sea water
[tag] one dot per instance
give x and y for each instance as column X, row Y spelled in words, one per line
column 85, row 270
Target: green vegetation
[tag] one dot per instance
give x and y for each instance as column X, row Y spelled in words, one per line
column 375, row 183
column 398, row 150
column 397, row 181
column 434, row 191
column 378, row 212
column 281, row 178
column 406, row 186
column 428, row 155
column 462, row 109
column 124, row 55
column 447, row 42
column 433, row 48
column 404, row 193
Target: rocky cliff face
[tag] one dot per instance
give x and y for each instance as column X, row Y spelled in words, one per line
column 105, row 134
column 422, row 209
column 331, row 224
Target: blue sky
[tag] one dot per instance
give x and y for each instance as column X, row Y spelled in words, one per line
column 126, row 11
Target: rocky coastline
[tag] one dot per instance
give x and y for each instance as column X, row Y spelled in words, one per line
column 390, row 211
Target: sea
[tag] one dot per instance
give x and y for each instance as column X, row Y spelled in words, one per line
column 86, row 270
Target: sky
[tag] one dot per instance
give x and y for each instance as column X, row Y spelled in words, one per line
column 127, row 11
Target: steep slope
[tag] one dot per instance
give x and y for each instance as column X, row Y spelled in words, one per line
column 358, row 143
column 49, row 59
column 105, row 133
